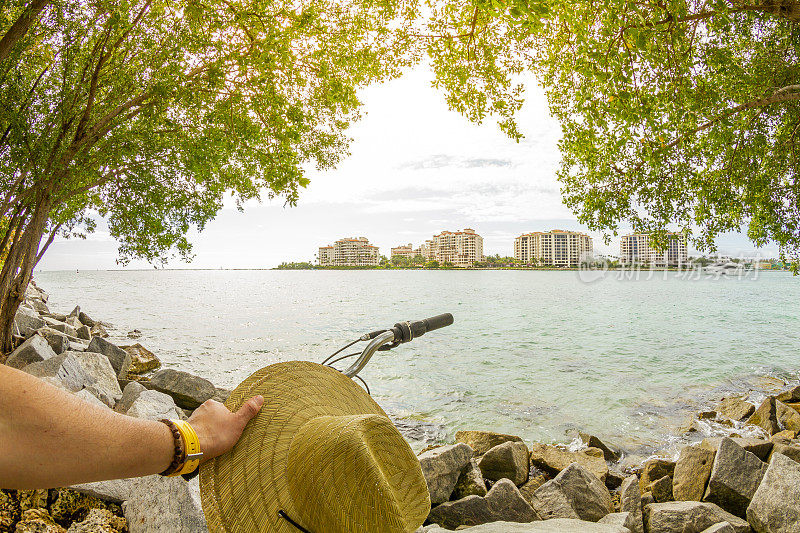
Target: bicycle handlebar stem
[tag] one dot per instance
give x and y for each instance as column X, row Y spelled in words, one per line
column 384, row 338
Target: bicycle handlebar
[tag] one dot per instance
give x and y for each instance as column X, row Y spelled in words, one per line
column 400, row 333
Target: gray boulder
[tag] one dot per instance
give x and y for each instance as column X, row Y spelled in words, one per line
column 735, row 408
column 483, row 441
column 469, row 511
column 33, row 350
column 115, row 490
column 623, row 519
column 129, row 394
column 81, row 370
column 470, row 482
column 734, row 478
column 653, row 470
column 441, row 467
column 766, row 416
column 119, row 358
column 792, row 451
column 187, row 390
column 84, row 333
column 27, row 321
column 57, row 340
column 88, row 397
column 508, row 460
column 63, row 328
column 788, row 418
column 574, row 493
column 661, row 489
column 689, row 517
column 154, row 405
column 85, row 319
column 692, row 470
column 722, row 527
column 775, row 507
column 630, row 501
column 610, row 451
column 164, row 505
column 557, row 525
column 503, row 502
column 789, row 394
column 759, row 447
column 507, row 503
column 553, row 459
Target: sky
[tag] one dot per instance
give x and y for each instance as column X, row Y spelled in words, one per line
column 415, row 169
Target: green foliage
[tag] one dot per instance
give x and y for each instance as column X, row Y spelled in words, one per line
column 296, row 266
column 155, row 114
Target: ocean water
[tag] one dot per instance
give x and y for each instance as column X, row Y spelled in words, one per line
column 538, row 354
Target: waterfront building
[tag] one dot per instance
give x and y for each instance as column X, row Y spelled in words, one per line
column 352, row 251
column 427, row 250
column 405, row 250
column 559, row 248
column 461, row 248
column 636, row 248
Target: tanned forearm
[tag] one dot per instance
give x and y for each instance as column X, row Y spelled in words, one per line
column 51, row 438
column 63, row 440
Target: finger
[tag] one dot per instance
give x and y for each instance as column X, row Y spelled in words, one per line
column 250, row 408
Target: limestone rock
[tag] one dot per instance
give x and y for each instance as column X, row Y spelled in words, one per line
column 131, row 391
column 87, row 396
column 10, row 511
column 442, row 467
column 508, row 460
column 722, row 527
column 221, row 395
column 784, row 437
column 118, row 357
column 766, row 417
column 530, row 486
column 734, row 478
column 32, row 499
column 574, row 493
column 98, row 331
column 610, row 452
column 558, row 525
column 37, row 521
column 662, row 489
column 735, row 408
column 506, row 503
column 79, row 370
column 33, row 350
column 100, row 521
column 470, row 482
column 64, row 328
column 775, row 507
column 788, row 418
column 482, row 441
column 187, row 390
column 85, row 319
column 154, row 405
column 75, row 312
column 28, row 321
column 57, row 340
column 789, row 394
column 759, row 447
column 654, row 469
column 553, row 460
column 142, row 359
column 165, row 505
column 689, row 517
column 792, row 451
column 614, row 478
column 630, row 501
column 619, row 519
column 469, row 511
column 114, row 490
column 72, row 506
column 692, row 470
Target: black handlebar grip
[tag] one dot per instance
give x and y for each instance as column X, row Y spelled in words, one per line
column 421, row 327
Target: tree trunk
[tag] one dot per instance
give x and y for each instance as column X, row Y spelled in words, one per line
column 20, row 27
column 18, row 270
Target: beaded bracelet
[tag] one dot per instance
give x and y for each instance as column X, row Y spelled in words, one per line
column 179, row 458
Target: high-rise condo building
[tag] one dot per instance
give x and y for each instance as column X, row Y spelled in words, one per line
column 461, row 248
column 636, row 248
column 405, row 250
column 557, row 247
column 349, row 252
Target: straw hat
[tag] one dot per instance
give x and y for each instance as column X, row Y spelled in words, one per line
column 320, row 451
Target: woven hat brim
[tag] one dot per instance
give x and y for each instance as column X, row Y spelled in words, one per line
column 243, row 490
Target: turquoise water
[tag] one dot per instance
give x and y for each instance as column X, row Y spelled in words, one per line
column 534, row 353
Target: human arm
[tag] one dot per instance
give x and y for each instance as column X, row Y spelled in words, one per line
column 51, row 438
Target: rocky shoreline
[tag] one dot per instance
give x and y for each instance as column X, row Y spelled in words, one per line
column 486, row 482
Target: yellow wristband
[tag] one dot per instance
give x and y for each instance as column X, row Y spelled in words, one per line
column 192, row 445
